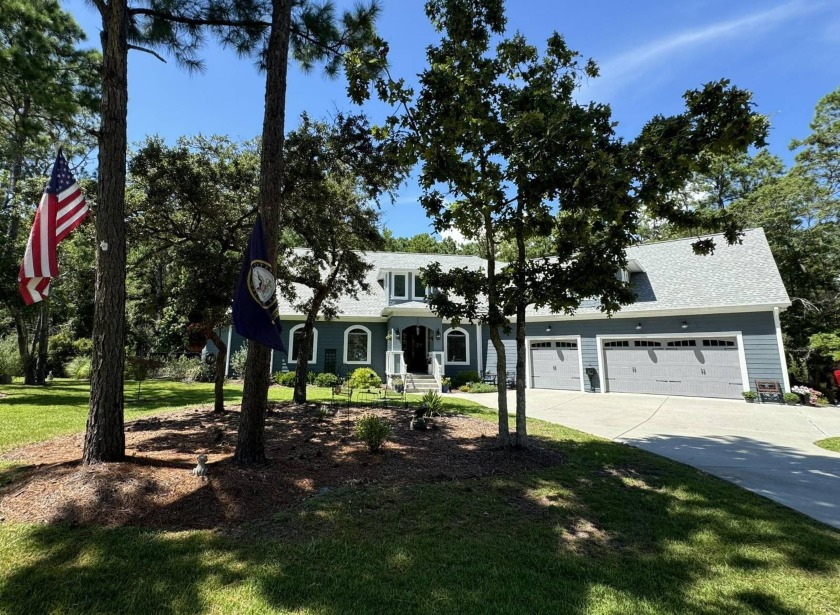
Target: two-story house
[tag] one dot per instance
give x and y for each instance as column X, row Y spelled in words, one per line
column 700, row 326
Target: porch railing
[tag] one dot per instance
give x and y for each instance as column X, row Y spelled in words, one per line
column 437, row 367
column 395, row 364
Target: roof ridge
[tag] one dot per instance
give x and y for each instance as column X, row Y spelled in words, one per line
column 694, row 238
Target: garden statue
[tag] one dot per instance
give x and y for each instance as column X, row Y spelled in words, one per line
column 201, row 468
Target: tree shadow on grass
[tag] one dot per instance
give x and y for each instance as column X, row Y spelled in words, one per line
column 612, row 530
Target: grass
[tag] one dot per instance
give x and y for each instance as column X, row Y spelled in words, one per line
column 32, row 414
column 614, row 530
column 830, row 444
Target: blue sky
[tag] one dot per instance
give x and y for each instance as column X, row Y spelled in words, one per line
column 785, row 52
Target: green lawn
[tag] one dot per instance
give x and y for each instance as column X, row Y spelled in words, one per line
column 31, row 414
column 830, row 444
column 614, row 530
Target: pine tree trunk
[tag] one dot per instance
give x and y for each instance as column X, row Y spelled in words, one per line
column 219, row 372
column 494, row 322
column 521, row 305
column 250, row 445
column 105, row 435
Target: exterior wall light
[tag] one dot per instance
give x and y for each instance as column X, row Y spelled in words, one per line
column 638, row 326
column 684, row 325
column 548, row 329
column 437, row 334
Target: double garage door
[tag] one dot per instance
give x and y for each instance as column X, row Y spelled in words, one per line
column 700, row 367
column 555, row 365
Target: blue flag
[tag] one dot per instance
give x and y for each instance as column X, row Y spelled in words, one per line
column 255, row 312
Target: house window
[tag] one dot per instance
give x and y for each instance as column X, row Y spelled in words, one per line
column 399, row 291
column 357, row 345
column 456, row 347
column 419, row 287
column 295, row 334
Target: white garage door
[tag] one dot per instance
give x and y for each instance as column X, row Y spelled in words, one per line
column 701, row 367
column 555, row 365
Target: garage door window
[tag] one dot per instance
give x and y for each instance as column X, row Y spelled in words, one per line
column 647, row 344
column 676, row 343
column 621, row 344
column 540, row 344
column 566, row 344
column 719, row 343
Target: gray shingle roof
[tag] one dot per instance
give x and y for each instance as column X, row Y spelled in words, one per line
column 674, row 277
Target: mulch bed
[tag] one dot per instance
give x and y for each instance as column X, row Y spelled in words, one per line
column 311, row 453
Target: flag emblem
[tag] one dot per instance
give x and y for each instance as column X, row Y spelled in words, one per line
column 261, row 283
column 255, row 311
column 62, row 209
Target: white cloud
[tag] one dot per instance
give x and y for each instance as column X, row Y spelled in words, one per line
column 629, row 66
column 456, row 236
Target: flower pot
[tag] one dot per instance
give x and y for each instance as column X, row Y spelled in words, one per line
column 793, row 402
column 749, row 400
column 444, row 388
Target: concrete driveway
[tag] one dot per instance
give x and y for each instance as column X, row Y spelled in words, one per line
column 766, row 448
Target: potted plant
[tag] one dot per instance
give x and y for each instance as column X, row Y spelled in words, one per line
column 791, row 399
column 445, row 384
column 398, row 384
column 750, row 396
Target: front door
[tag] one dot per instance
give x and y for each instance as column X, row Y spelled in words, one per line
column 414, row 347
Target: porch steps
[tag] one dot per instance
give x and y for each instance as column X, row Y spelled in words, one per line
column 420, row 383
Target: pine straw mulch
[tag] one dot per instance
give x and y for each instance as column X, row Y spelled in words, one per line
column 310, row 453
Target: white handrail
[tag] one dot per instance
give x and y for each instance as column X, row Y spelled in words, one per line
column 437, row 367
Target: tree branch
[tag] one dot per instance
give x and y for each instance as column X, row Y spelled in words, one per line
column 149, row 51
column 196, row 21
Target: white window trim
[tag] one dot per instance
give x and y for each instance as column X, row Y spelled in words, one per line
column 394, row 295
column 347, row 337
column 446, row 346
column 416, row 276
column 314, row 358
column 738, row 335
column 529, row 380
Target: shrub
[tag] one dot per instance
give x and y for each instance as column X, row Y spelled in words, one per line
column 433, row 403
column 237, row 361
column 206, row 370
column 326, row 380
column 462, row 378
column 364, row 378
column 10, row 357
column 373, row 431
column 749, row 394
column 181, row 368
column 285, row 379
column 478, row 387
column 78, row 368
column 791, row 397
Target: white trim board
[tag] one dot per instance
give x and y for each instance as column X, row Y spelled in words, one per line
column 782, row 355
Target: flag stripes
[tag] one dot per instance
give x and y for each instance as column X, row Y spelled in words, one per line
column 62, row 209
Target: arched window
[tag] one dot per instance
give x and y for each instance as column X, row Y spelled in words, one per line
column 295, row 333
column 357, row 345
column 456, row 347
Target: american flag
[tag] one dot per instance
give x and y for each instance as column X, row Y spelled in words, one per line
column 62, row 209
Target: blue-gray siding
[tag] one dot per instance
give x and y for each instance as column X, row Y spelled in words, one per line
column 758, row 330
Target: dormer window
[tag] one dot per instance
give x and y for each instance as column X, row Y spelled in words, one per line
column 399, row 290
column 419, row 288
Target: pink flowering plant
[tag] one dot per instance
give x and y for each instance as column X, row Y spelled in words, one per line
column 812, row 394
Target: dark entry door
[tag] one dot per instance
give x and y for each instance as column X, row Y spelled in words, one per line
column 414, row 346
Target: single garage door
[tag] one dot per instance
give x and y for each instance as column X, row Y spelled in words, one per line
column 555, row 365
column 700, row 367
